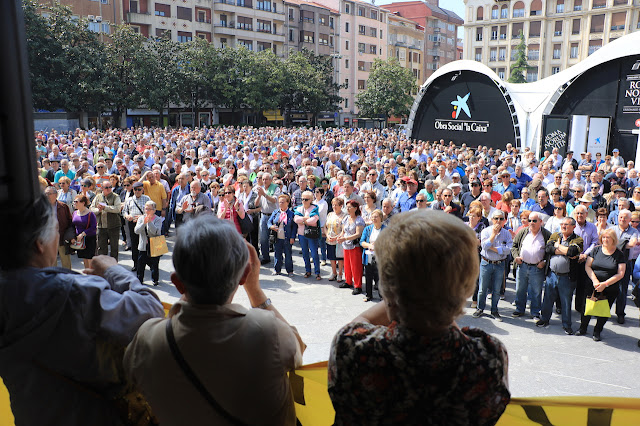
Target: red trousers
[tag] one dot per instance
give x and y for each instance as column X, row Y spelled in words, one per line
column 353, row 267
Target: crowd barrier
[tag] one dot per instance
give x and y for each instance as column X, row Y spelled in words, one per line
column 314, row 408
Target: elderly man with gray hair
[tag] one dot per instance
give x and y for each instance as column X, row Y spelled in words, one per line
column 239, row 357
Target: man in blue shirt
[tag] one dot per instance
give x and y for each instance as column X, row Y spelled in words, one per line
column 407, row 200
column 522, row 178
column 505, row 185
column 544, row 207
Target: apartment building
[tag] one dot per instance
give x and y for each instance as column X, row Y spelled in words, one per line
column 558, row 33
column 101, row 14
column 406, row 43
column 363, row 38
column 440, row 31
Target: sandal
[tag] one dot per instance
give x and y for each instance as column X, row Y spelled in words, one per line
column 318, row 277
column 332, row 277
column 307, row 274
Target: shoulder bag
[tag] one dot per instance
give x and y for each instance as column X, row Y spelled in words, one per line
column 80, row 243
column 188, row 372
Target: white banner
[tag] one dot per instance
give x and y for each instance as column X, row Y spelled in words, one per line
column 598, row 138
column 578, row 135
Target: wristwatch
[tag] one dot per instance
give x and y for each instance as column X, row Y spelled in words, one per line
column 264, row 304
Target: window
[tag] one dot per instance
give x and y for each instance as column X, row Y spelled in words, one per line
column 575, row 26
column 346, row 63
column 517, row 29
column 331, row 22
column 402, row 55
column 94, row 27
column 479, row 34
column 514, row 54
column 292, row 16
column 518, row 10
column 263, row 26
column 617, row 21
column 480, row 13
column 495, row 12
column 307, row 36
column 362, row 29
column 323, row 39
column 162, row 33
column 557, row 51
column 133, row 6
column 347, row 8
column 374, row 14
column 346, row 45
column 244, row 3
column 534, row 29
column 184, row 37
column 361, row 11
column 202, row 16
column 361, row 66
column 246, row 43
column 245, row 23
column 479, row 55
column 504, row 12
column 501, row 73
column 532, row 75
column 323, row 20
column 263, row 5
column 502, row 54
column 536, row 8
column 451, row 27
column 416, row 74
column 373, row 32
column 346, row 27
column 555, row 70
column 599, row 4
column 494, row 33
column 373, row 49
column 597, row 23
column 573, row 53
column 306, row 16
column 361, row 47
column 577, row 5
column 360, row 84
column 106, row 28
column 223, row 42
column 594, row 45
column 503, row 32
column 380, row 34
column 346, row 100
column 291, row 36
column 346, row 83
column 558, row 28
column 184, row 13
column 560, row 6
column 534, row 52
column 262, row 46
column 493, row 55
column 163, row 10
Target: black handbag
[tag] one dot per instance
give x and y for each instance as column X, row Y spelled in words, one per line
column 246, row 226
column 312, row 232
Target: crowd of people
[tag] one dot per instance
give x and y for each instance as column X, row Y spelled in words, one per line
column 333, row 190
column 363, row 204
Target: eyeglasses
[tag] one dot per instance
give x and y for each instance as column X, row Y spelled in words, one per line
column 498, row 218
column 421, row 201
column 86, row 186
column 228, row 192
column 306, row 199
column 137, row 189
column 557, row 208
column 447, row 196
column 474, row 184
column 635, row 221
column 487, row 186
column 107, row 187
column 533, row 220
column 566, row 224
column 127, row 185
column 99, row 167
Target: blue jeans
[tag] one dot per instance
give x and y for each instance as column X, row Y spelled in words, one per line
column 310, row 244
column 558, row 285
column 529, row 278
column 264, row 236
column 323, row 249
column 491, row 275
column 283, row 247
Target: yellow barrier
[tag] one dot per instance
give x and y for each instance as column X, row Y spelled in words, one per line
column 314, row 408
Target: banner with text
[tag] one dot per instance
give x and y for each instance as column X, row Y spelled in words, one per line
column 555, row 134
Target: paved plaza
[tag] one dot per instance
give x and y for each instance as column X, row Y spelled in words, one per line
column 542, row 361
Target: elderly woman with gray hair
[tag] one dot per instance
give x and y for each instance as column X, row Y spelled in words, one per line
column 448, row 375
column 148, row 225
column 240, row 356
column 63, row 334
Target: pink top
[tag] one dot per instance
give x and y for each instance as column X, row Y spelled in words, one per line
column 305, row 212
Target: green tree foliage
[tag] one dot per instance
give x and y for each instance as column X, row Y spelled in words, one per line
column 520, row 66
column 71, row 70
column 388, row 90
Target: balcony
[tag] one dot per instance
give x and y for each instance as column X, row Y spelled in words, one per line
column 225, row 6
column 140, row 18
column 617, row 27
column 577, row 8
column 226, row 28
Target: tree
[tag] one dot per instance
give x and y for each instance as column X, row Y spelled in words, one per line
column 125, row 68
column 520, row 66
column 325, row 97
column 388, row 90
column 162, row 75
column 264, row 81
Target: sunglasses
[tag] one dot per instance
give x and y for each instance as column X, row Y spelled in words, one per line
column 87, row 186
column 306, row 199
column 127, row 185
column 533, row 220
column 557, row 208
column 228, row 192
column 498, row 218
column 421, row 201
column 137, row 189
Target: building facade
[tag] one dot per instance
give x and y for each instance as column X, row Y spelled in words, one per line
column 406, row 43
column 558, row 33
column 440, row 31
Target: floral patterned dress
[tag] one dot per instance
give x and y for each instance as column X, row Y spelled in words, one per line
column 392, row 375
